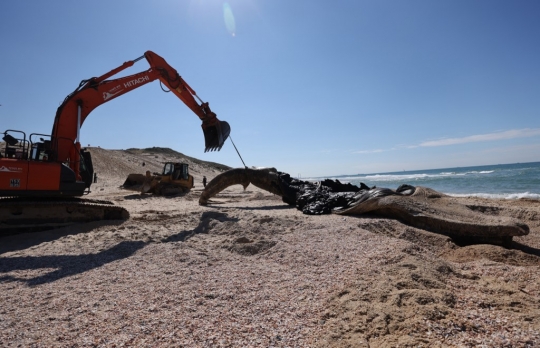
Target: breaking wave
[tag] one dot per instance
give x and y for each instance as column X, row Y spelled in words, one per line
column 526, row 195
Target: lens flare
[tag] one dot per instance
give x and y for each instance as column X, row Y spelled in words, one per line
column 229, row 19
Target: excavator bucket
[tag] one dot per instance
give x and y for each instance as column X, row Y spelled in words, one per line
column 215, row 135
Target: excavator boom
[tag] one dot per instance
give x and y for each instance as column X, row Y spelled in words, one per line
column 98, row 90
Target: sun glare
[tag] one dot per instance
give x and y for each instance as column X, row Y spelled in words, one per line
column 229, row 19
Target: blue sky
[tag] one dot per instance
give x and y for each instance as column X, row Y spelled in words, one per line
column 313, row 88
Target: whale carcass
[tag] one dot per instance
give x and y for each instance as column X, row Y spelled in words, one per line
column 419, row 207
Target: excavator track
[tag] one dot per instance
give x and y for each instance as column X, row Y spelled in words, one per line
column 21, row 215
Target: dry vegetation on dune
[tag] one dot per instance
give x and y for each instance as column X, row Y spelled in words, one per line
column 249, row 270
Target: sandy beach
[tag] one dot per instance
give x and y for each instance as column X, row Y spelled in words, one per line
column 250, row 271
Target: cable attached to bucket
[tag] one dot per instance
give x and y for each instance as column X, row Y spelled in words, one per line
column 237, row 151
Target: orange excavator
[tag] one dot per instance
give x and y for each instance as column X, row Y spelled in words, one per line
column 42, row 168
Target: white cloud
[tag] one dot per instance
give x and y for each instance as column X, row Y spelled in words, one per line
column 509, row 134
column 371, row 151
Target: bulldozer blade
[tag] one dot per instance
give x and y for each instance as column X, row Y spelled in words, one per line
column 215, row 136
column 134, row 181
column 140, row 182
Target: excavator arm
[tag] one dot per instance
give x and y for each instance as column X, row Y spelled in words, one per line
column 91, row 93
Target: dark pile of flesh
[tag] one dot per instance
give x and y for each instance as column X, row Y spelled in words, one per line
column 321, row 197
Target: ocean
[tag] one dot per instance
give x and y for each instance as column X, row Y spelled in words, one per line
column 507, row 181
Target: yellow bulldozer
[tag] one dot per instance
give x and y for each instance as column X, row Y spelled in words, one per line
column 174, row 179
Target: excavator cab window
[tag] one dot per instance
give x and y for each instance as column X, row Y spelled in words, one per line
column 41, row 150
column 38, row 152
